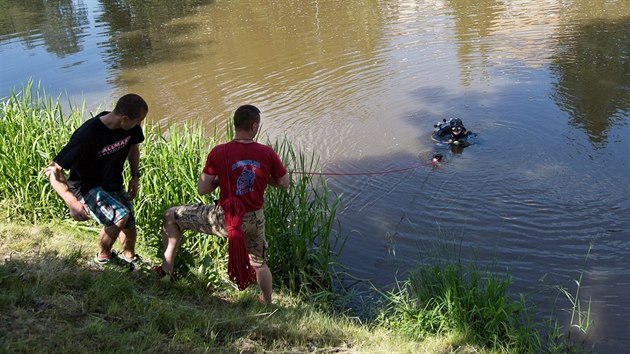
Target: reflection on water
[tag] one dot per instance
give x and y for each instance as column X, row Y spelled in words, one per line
column 325, row 52
column 138, row 31
column 298, row 61
column 545, row 85
column 592, row 66
column 59, row 25
column 474, row 22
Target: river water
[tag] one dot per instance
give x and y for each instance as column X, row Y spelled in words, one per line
column 546, row 86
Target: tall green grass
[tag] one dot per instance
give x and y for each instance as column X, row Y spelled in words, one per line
column 474, row 303
column 463, row 299
column 302, row 221
column 303, row 242
column 33, row 127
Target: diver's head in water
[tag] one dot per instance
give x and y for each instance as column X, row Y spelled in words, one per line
column 455, row 122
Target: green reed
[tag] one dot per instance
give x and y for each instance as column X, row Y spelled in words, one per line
column 171, row 164
column 449, row 297
column 33, row 127
column 301, row 220
column 303, row 244
column 464, row 299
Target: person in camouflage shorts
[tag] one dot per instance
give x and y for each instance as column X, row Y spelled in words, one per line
column 245, row 168
column 209, row 219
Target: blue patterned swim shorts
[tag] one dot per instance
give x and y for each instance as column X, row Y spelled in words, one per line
column 108, row 208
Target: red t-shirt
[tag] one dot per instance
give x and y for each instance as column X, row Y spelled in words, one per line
column 250, row 166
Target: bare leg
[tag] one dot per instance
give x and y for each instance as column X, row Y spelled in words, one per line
column 127, row 238
column 264, row 279
column 108, row 236
column 170, row 241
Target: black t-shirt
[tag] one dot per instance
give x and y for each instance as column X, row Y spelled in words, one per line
column 96, row 155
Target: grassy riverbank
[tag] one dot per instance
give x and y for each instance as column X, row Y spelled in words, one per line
column 51, row 302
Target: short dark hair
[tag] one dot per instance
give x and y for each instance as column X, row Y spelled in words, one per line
column 245, row 116
column 131, row 105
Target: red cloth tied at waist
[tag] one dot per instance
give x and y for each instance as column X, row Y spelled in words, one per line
column 239, row 269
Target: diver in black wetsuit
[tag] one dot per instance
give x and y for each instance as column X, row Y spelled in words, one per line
column 452, row 131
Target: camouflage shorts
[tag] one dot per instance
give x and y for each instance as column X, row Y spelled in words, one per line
column 209, row 219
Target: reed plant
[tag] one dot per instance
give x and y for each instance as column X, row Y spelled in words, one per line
column 303, row 243
column 473, row 302
column 575, row 338
column 301, row 219
column 33, row 127
column 171, row 164
column 464, row 299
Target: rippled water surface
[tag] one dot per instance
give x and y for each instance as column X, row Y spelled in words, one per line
column 545, row 85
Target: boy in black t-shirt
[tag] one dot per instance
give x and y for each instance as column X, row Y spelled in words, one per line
column 95, row 156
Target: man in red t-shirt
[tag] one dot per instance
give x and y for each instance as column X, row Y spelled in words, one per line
column 251, row 167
